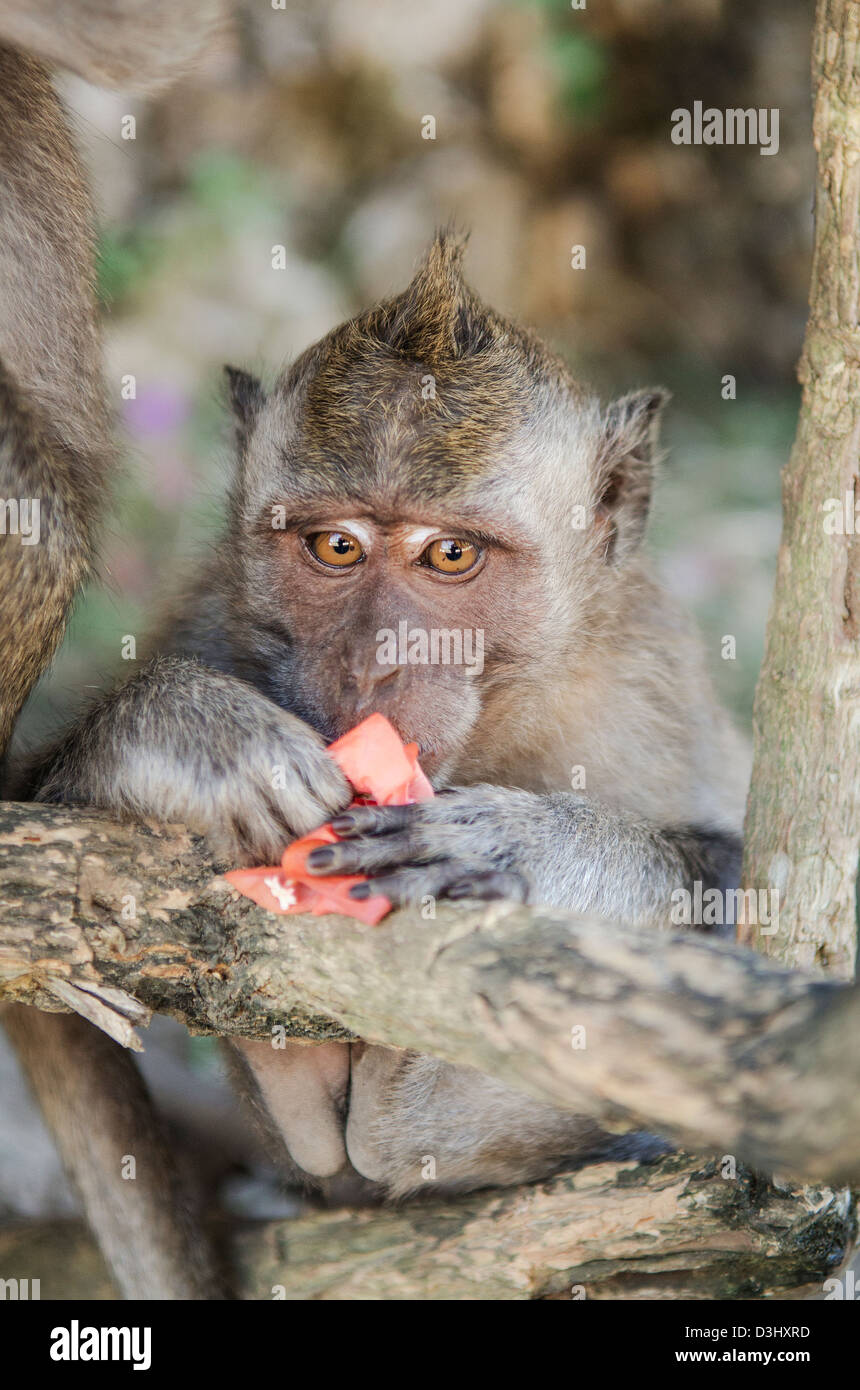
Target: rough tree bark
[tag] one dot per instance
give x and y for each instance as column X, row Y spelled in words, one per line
column 695, row 1038
column 677, row 1228
column 802, row 832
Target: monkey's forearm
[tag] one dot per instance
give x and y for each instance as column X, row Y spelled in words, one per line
column 124, row 751
column 183, row 742
column 486, row 841
column 600, row 861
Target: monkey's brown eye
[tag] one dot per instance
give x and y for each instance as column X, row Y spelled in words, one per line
column 337, row 548
column 451, row 555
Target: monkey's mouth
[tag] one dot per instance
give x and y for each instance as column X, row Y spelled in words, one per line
column 432, row 760
column 438, row 741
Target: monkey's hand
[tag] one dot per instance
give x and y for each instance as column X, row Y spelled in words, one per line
column 555, row 848
column 182, row 742
column 471, row 842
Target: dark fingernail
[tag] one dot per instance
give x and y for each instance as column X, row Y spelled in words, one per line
column 319, row 858
column 360, row 890
column 341, row 824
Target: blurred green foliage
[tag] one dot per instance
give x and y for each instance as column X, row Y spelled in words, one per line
column 581, row 61
column 582, row 64
column 125, row 258
column 229, row 188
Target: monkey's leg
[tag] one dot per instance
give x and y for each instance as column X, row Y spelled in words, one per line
column 303, row 1088
column 419, row 1124
column 56, row 450
column 101, row 1115
column 57, row 455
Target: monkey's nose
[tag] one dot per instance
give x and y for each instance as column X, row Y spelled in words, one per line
column 368, row 680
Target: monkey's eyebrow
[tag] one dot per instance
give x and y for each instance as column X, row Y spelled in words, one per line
column 356, row 528
column 299, row 520
column 461, row 526
column 292, row 521
column 472, row 533
column 464, row 530
column 322, row 521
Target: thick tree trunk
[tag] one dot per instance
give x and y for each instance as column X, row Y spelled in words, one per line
column 803, row 817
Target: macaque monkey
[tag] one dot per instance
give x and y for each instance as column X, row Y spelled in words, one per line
column 506, row 502
column 427, row 464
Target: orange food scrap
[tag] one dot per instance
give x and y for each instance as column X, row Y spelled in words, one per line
column 383, row 772
column 379, row 765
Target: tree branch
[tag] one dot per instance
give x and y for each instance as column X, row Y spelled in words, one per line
column 709, row 1044
column 677, row 1228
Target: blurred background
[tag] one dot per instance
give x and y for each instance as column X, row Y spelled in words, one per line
column 303, row 128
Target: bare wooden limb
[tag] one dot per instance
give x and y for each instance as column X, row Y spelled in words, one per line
column 101, row 1005
column 671, row 1229
column 677, row 1228
column 705, row 1042
column 802, row 832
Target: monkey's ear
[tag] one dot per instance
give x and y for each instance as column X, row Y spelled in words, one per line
column 247, row 398
column 625, row 471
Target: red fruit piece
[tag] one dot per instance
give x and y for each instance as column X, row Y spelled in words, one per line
column 383, row 772
column 379, row 765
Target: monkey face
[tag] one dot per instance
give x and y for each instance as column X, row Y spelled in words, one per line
column 396, row 611
column 424, row 471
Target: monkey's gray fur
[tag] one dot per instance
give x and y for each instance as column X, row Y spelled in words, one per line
column 57, row 448
column 588, row 664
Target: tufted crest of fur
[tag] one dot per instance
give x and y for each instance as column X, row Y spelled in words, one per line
column 432, row 395
column 437, row 319
column 431, row 386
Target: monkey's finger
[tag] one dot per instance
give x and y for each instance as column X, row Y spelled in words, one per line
column 325, row 782
column 368, row 854
column 301, row 809
column 278, row 818
column 409, row 886
column 372, row 820
column 260, row 828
